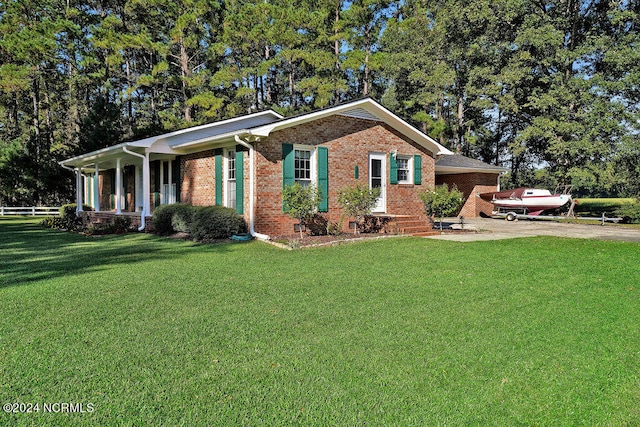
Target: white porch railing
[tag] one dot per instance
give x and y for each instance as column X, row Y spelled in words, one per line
column 29, row 210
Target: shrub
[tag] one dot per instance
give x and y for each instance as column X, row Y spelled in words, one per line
column 318, row 225
column 357, row 202
column 163, row 217
column 67, row 219
column 216, row 222
column 117, row 226
column 52, row 222
column 301, row 202
column 182, row 218
column 630, row 214
column 441, row 201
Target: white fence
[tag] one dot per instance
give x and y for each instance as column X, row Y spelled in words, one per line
column 29, row 210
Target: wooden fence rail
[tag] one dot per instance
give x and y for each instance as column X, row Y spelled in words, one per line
column 29, row 210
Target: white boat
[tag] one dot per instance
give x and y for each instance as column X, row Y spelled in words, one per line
column 532, row 201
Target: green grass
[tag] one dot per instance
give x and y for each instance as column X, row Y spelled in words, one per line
column 408, row 331
column 594, row 207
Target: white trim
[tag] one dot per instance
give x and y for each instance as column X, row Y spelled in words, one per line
column 368, row 105
column 118, row 185
column 226, row 191
column 381, row 207
column 312, row 160
column 409, row 159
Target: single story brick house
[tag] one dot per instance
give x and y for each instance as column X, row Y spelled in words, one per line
column 244, row 163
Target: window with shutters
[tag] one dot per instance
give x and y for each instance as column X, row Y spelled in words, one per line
column 307, row 165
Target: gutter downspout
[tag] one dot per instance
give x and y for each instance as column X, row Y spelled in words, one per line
column 251, row 191
column 145, row 194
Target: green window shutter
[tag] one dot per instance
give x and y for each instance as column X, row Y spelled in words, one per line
column 218, row 167
column 417, row 169
column 156, row 183
column 175, row 173
column 125, row 185
column 288, row 166
column 156, row 176
column 393, row 170
column 239, row 182
column 323, row 178
column 288, row 163
column 356, row 172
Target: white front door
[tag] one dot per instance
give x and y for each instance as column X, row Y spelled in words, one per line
column 376, row 179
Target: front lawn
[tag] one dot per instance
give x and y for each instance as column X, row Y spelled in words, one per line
column 405, row 331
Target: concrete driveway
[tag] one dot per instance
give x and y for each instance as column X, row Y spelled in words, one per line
column 496, row 229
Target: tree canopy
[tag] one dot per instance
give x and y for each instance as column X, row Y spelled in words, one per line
column 548, row 89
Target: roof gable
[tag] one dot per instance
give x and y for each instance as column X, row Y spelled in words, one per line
column 364, row 109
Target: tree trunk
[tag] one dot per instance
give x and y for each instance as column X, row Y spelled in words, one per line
column 186, row 74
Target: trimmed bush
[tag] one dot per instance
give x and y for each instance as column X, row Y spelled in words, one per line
column 216, row 222
column 182, row 218
column 163, row 217
column 67, row 219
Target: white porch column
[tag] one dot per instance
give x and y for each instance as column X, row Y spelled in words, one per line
column 79, row 192
column 118, row 189
column 96, row 189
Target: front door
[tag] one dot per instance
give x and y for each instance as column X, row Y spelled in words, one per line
column 376, row 179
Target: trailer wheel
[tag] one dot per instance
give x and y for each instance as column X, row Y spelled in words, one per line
column 511, row 216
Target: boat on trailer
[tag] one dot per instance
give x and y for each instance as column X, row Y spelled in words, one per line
column 527, row 201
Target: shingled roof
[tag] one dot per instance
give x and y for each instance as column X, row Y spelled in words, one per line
column 456, row 163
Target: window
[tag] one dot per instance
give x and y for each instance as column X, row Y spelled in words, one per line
column 231, row 179
column 404, row 169
column 302, row 166
column 168, row 183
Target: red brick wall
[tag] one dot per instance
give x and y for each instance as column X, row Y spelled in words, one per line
column 130, row 190
column 197, row 172
column 349, row 142
column 472, row 184
column 105, row 187
column 198, row 177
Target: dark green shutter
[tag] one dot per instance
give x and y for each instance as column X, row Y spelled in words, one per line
column 393, row 169
column 356, row 172
column 323, row 178
column 288, row 167
column 417, row 169
column 125, row 185
column 156, row 183
column 175, row 173
column 288, row 164
column 239, row 182
column 218, row 167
